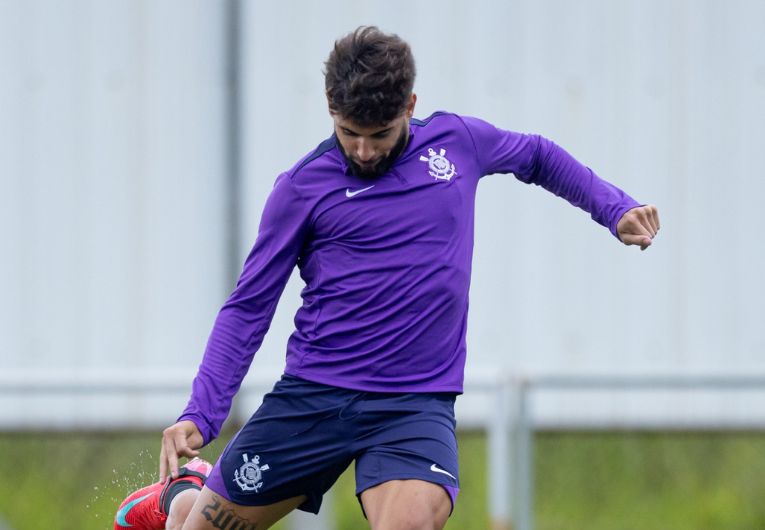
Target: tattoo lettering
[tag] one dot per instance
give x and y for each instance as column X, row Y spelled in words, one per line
column 225, row 518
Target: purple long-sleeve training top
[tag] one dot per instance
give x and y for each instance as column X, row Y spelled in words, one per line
column 386, row 262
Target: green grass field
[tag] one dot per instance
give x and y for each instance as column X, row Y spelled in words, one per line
column 587, row 481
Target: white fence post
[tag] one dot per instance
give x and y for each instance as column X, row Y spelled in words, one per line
column 499, row 462
column 525, row 458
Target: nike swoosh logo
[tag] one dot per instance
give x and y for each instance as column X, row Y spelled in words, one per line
column 349, row 193
column 439, row 470
column 122, row 514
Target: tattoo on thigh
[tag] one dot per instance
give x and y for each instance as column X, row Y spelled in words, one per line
column 225, row 518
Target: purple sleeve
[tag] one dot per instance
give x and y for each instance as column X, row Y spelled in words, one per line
column 245, row 317
column 536, row 160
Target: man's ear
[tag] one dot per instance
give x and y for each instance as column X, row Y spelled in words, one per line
column 410, row 105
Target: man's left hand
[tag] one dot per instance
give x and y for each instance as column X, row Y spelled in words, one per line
column 639, row 226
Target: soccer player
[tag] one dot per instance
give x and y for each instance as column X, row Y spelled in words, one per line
column 164, row 505
column 379, row 220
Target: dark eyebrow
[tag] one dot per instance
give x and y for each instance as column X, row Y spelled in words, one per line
column 387, row 129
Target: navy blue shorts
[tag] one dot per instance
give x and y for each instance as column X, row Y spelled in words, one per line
column 306, row 434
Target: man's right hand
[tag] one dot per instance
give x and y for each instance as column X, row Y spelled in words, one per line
column 181, row 439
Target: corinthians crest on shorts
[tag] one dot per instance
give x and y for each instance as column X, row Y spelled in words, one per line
column 248, row 476
column 438, row 165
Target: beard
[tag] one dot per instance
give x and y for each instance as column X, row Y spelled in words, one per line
column 380, row 167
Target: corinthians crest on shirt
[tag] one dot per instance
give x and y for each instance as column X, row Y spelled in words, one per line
column 248, row 476
column 439, row 166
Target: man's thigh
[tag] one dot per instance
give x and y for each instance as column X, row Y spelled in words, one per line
column 213, row 512
column 406, row 505
column 407, row 472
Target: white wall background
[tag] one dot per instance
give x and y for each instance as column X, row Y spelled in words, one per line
column 112, row 159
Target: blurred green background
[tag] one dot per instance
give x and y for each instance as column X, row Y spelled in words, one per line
column 584, row 480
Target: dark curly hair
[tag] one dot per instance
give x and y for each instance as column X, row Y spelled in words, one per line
column 369, row 76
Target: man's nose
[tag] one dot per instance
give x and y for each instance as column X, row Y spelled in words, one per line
column 364, row 150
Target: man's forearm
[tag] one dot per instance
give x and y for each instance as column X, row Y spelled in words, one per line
column 560, row 173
